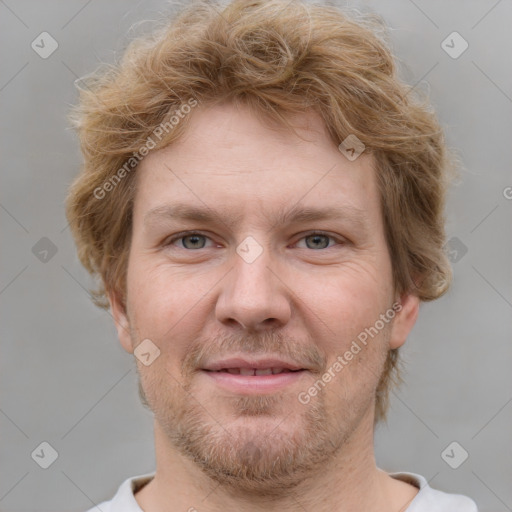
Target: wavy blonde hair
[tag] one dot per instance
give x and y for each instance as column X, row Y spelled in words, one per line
column 279, row 58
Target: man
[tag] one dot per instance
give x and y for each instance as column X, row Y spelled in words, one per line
column 263, row 201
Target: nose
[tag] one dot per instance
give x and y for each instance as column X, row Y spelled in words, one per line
column 253, row 297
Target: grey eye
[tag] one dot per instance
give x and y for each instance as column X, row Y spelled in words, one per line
column 196, row 241
column 317, row 241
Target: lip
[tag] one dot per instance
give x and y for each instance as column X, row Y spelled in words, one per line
column 254, row 384
column 239, row 362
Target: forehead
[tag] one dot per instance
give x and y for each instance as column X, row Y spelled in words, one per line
column 230, row 161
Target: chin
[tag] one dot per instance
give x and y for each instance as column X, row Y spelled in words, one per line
column 261, row 451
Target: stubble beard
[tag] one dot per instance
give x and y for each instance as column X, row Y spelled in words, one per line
column 253, row 457
column 253, row 460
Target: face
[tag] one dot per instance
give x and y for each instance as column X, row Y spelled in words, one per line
column 285, row 268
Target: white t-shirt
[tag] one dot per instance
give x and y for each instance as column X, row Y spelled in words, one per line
column 427, row 499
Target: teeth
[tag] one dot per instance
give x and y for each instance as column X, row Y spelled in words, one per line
column 254, row 371
column 266, row 371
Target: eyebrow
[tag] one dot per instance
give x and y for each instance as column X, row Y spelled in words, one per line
column 294, row 215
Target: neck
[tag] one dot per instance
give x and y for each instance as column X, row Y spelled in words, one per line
column 349, row 482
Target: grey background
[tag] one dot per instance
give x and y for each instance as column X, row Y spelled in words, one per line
column 64, row 377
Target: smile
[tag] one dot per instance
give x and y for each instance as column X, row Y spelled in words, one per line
column 255, row 371
column 247, row 381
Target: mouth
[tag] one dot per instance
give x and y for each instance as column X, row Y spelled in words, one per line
column 254, row 371
column 246, row 377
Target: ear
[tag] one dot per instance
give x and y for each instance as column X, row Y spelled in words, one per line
column 121, row 321
column 405, row 318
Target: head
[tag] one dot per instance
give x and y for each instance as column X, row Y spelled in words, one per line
column 239, row 111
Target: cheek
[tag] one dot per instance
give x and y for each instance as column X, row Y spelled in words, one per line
column 168, row 305
column 346, row 302
column 350, row 304
column 354, row 373
column 154, row 292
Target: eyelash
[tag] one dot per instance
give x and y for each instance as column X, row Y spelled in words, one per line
column 179, row 236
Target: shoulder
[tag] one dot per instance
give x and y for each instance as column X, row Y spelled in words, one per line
column 124, row 499
column 104, row 506
column 433, row 500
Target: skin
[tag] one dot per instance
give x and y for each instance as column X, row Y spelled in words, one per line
column 304, row 297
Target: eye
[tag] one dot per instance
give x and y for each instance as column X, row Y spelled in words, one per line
column 318, row 240
column 194, row 240
column 189, row 241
